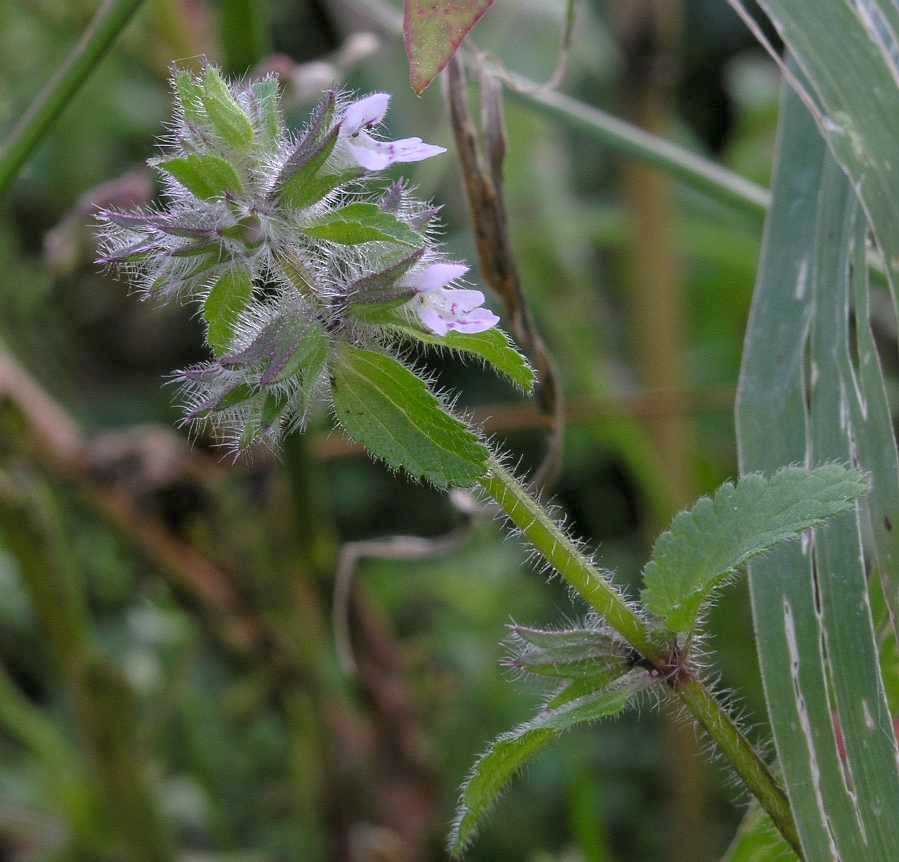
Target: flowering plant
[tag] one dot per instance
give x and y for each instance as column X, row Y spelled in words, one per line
column 303, row 261
column 311, row 275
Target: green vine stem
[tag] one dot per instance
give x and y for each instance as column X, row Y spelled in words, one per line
column 574, row 566
column 96, row 40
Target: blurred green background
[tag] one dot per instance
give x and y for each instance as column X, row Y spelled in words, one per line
column 170, row 687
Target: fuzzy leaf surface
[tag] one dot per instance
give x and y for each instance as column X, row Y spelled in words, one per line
column 226, row 115
column 580, row 653
column 268, row 115
column 492, row 346
column 204, row 176
column 227, row 299
column 509, row 753
column 302, row 168
column 391, row 411
column 709, row 542
column 433, row 30
column 358, row 223
column 190, row 97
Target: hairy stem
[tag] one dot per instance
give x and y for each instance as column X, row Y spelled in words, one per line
column 742, row 756
column 96, row 40
column 596, row 589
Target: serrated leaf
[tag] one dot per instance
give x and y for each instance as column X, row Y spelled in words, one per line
column 492, row 346
column 508, row 753
column 359, row 223
column 709, row 542
column 389, row 410
column 204, row 176
column 227, row 117
column 227, row 299
column 433, row 30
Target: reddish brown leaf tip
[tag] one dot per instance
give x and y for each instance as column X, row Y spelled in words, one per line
column 433, row 30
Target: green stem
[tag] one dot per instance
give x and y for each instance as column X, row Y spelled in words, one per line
column 629, row 140
column 564, row 556
column 573, row 565
column 96, row 40
column 737, row 749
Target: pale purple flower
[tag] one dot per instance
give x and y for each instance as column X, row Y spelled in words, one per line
column 370, row 153
column 442, row 309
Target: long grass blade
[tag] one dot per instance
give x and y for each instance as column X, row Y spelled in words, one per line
column 771, row 432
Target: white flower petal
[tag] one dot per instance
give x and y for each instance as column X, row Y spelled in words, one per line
column 413, row 150
column 436, row 276
column 442, row 310
column 479, row 320
column 365, row 112
column 433, row 321
column 369, row 154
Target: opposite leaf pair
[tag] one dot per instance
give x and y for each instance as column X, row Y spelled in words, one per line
column 600, row 673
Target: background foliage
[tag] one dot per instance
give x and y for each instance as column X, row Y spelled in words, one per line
column 170, row 676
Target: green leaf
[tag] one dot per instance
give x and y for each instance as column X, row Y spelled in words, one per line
column 433, row 31
column 373, row 287
column 581, row 653
column 492, row 346
column 772, row 420
column 227, row 299
column 758, row 840
column 848, row 53
column 856, row 691
column 190, row 97
column 508, row 753
column 358, row 223
column 707, row 543
column 308, row 360
column 314, row 352
column 389, row 410
column 225, row 114
column 293, row 185
column 204, row 176
column 231, row 398
column 268, row 113
column 269, row 409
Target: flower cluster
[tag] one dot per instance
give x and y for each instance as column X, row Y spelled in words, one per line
column 289, row 243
